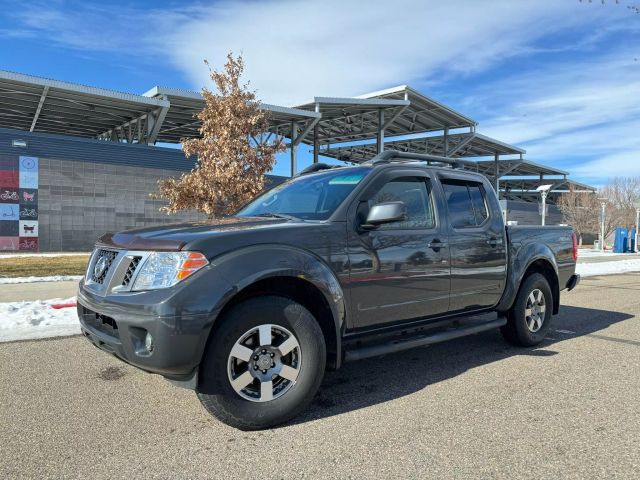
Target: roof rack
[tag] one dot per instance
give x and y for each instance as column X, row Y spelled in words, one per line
column 394, row 156
column 316, row 167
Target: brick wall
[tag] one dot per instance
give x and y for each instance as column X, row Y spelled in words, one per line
column 79, row 201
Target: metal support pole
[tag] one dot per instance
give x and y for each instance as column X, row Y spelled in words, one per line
column 380, row 139
column 496, row 171
column 158, row 119
column 602, row 213
column 316, row 143
column 635, row 240
column 446, row 142
column 294, row 148
column 544, row 207
column 39, row 109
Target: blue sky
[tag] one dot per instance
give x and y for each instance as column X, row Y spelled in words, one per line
column 560, row 78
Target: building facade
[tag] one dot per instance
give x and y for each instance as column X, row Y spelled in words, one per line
column 77, row 189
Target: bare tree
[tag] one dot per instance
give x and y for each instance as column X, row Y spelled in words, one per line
column 580, row 210
column 234, row 152
column 623, row 193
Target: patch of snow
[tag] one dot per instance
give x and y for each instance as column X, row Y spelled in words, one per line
column 54, row 278
column 586, row 253
column 37, row 319
column 608, row 268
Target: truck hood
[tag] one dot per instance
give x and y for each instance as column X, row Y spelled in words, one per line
column 175, row 237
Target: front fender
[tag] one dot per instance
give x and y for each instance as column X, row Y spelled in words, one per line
column 230, row 273
column 519, row 262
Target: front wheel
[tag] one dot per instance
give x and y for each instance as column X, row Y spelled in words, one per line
column 264, row 364
column 529, row 318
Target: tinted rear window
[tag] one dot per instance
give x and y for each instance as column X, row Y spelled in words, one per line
column 465, row 202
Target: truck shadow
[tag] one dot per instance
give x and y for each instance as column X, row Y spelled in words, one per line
column 369, row 382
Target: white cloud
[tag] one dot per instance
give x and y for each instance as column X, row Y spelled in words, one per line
column 564, row 97
column 294, row 50
column 583, row 116
column 624, row 163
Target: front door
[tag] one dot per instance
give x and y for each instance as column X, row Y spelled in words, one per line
column 400, row 270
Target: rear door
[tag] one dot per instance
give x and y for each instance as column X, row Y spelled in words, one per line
column 477, row 242
column 400, row 270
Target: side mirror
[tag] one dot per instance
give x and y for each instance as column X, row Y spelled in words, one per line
column 387, row 212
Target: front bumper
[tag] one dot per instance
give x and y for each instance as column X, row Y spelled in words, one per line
column 119, row 324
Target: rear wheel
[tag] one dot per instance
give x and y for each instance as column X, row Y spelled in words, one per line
column 529, row 318
column 263, row 365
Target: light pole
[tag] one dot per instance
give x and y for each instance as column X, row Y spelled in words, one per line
column 635, row 240
column 544, row 190
column 603, row 204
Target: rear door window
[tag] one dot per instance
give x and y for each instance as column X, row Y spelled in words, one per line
column 479, row 205
column 466, row 203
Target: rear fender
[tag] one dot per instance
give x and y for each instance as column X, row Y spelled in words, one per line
column 518, row 266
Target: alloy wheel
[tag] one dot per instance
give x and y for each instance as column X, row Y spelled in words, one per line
column 264, row 363
column 535, row 310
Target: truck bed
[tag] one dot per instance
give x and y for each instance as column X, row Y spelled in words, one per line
column 556, row 238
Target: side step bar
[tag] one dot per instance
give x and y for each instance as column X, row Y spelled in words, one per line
column 398, row 345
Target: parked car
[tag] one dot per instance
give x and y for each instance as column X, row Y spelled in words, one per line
column 334, row 265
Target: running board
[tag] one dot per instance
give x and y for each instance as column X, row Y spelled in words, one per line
column 398, row 345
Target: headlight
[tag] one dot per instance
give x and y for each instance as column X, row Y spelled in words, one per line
column 165, row 269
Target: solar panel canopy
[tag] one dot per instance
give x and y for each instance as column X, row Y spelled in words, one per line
column 352, row 129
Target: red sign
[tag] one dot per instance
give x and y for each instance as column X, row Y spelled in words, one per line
column 9, row 178
column 29, row 244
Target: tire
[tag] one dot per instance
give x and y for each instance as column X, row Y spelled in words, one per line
column 252, row 407
column 524, row 328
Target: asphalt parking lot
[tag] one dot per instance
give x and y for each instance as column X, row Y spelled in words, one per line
column 474, row 407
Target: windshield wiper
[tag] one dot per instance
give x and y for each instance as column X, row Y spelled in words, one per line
column 276, row 215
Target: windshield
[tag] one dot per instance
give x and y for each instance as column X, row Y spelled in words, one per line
column 310, row 197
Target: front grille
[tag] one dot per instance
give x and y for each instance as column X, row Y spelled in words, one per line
column 100, row 322
column 130, row 271
column 109, row 256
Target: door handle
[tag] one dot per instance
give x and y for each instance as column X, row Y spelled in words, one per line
column 436, row 244
column 494, row 241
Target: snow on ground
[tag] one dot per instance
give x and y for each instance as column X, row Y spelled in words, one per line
column 587, row 253
column 608, row 268
column 54, row 278
column 37, row 319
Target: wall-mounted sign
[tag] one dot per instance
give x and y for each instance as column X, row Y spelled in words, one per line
column 18, row 203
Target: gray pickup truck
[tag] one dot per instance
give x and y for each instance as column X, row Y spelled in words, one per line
column 336, row 264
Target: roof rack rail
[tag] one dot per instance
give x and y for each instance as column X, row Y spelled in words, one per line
column 393, row 156
column 316, row 167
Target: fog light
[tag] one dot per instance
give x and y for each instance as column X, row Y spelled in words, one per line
column 148, row 343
